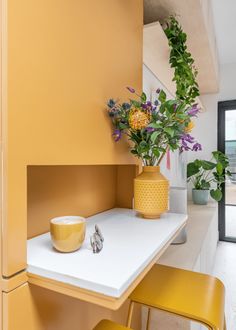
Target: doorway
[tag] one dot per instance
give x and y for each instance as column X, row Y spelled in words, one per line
column 227, row 144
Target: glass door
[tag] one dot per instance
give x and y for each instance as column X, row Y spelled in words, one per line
column 227, row 144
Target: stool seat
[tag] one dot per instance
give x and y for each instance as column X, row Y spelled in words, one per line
column 109, row 325
column 196, row 296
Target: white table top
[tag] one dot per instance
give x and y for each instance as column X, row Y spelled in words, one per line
column 130, row 245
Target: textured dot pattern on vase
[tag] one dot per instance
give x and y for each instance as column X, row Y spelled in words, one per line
column 151, row 197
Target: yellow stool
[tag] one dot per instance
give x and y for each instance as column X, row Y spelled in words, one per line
column 109, row 325
column 192, row 295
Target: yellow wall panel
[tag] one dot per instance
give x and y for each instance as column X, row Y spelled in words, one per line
column 32, row 308
column 61, row 61
column 80, row 190
column 20, row 310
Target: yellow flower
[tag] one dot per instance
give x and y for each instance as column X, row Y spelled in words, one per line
column 138, row 119
column 189, row 127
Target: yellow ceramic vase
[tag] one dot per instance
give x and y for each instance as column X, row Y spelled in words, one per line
column 67, row 233
column 151, row 192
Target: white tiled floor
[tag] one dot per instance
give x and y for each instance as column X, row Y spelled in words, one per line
column 225, row 269
column 230, row 221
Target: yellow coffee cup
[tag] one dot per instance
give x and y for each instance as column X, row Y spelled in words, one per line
column 67, row 233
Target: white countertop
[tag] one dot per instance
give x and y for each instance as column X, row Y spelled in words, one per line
column 130, row 245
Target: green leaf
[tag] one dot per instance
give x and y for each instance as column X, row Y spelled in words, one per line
column 156, row 152
column 154, row 136
column 181, row 116
column 219, row 168
column 143, row 147
column 216, row 155
column 143, row 97
column 216, row 194
column 170, row 104
column 169, row 131
column 198, row 163
column 147, row 157
column 155, row 125
column 123, row 126
column 205, row 185
column 162, row 108
column 192, row 169
column 173, row 147
column 228, row 173
column 206, row 165
column 220, row 157
column 135, row 103
column 162, row 96
column 133, row 151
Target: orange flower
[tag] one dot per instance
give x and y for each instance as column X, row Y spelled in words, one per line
column 138, row 119
column 189, row 127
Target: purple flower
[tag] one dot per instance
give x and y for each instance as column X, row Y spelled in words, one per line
column 158, row 90
column 175, row 107
column 144, row 106
column 116, row 135
column 187, row 138
column 184, row 148
column 148, row 106
column 188, row 143
column 196, row 147
column 149, row 129
column 193, row 111
column 131, row 89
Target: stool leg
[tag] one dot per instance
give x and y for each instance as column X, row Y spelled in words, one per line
column 225, row 325
column 148, row 319
column 130, row 314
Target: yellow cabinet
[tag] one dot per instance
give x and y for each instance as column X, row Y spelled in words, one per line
column 19, row 310
column 29, row 307
column 61, row 60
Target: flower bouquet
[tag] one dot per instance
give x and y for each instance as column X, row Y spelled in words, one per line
column 153, row 128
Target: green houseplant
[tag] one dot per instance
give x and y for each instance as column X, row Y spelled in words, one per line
column 207, row 177
column 185, row 73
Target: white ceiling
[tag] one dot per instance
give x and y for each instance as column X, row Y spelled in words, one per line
column 225, row 26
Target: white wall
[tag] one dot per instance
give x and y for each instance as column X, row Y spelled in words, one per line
column 228, row 82
column 177, row 173
column 205, row 130
column 206, row 124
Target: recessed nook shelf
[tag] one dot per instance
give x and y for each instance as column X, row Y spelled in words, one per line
column 132, row 245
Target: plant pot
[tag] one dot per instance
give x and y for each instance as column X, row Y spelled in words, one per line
column 151, row 190
column 200, row 197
